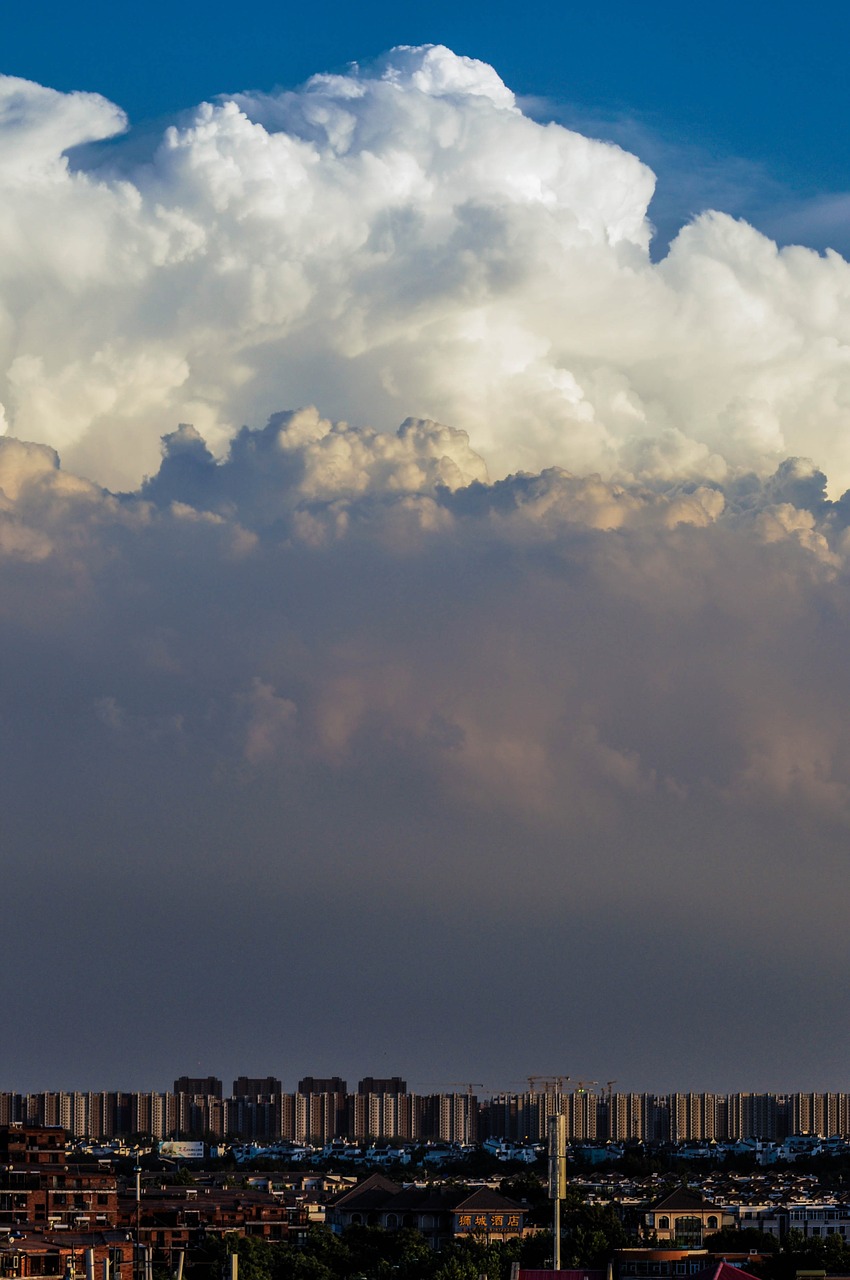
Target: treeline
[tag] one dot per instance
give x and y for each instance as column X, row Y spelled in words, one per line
column 796, row 1252
column 366, row 1253
column 590, row 1234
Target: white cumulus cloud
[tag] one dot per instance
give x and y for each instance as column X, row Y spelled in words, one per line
column 398, row 240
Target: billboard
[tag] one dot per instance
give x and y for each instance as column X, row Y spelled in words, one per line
column 182, row 1150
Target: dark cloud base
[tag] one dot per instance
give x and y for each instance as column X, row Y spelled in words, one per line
column 335, row 756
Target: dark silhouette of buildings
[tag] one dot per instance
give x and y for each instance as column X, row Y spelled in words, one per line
column 375, row 1084
column 202, row 1086
column 317, row 1084
column 257, row 1087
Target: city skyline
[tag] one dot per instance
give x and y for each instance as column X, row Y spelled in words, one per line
column 425, row 544
column 533, row 1086
column 323, row 1110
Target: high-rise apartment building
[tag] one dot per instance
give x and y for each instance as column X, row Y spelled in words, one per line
column 375, row 1084
column 321, row 1116
column 450, row 1117
column 695, row 1117
column 199, row 1086
column 322, row 1084
column 259, row 1111
column 384, row 1115
column 257, row 1087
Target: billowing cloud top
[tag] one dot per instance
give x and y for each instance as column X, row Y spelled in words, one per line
column 399, row 240
column 38, row 125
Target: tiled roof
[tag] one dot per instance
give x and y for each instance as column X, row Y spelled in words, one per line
column 375, row 1183
column 378, row 1193
column 722, row 1271
column 485, row 1200
column 682, row 1201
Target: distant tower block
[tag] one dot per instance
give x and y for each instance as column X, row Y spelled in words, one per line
column 257, row 1087
column 375, row 1084
column 318, row 1084
column 205, row 1086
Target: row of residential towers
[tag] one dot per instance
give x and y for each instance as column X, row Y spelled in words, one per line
column 321, row 1110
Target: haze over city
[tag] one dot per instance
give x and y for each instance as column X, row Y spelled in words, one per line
column 423, row 545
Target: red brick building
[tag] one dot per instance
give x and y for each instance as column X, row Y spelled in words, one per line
column 36, row 1253
column 39, row 1188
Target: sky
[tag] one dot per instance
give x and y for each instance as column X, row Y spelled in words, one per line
column 424, row 545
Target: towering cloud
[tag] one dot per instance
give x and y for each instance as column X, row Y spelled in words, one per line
column 319, row 728
column 397, row 240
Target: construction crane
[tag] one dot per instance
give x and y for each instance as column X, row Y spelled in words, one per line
column 581, row 1085
column 557, row 1082
column 468, row 1085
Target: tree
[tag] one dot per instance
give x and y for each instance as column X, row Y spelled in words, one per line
column 731, row 1240
column 591, row 1233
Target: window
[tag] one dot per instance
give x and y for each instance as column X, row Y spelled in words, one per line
column 689, row 1231
column 663, row 1223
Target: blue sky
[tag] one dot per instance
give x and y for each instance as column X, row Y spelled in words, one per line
column 734, row 106
column 767, row 83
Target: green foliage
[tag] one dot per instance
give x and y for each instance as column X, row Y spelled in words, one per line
column 536, row 1251
column 525, row 1185
column 470, row 1258
column 367, row 1252
column 457, row 1267
column 731, row 1241
column 800, row 1253
column 371, row 1253
column 590, row 1233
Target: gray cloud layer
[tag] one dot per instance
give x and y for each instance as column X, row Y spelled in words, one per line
column 326, row 747
column 342, row 746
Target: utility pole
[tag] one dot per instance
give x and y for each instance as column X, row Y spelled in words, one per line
column 557, row 1180
column 137, row 1260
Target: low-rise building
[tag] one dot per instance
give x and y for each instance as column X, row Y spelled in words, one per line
column 686, row 1218
column 439, row 1213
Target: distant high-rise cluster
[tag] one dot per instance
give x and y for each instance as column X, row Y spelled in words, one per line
column 322, row 1109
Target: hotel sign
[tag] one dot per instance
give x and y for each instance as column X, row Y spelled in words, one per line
column 488, row 1222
